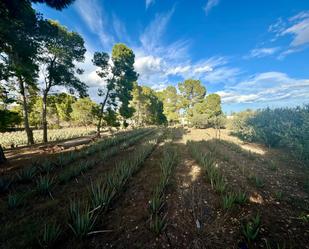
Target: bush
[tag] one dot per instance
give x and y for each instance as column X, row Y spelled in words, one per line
column 281, row 127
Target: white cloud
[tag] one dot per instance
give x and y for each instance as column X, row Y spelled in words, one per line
column 300, row 32
column 266, row 87
column 296, row 27
column 148, row 3
column 94, row 16
column 210, row 4
column 262, row 52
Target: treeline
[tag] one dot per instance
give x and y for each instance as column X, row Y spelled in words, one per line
column 33, row 46
column 189, row 104
column 280, row 127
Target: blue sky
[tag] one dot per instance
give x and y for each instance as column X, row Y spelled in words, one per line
column 253, row 53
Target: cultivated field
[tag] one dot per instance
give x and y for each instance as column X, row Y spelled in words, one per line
column 156, row 188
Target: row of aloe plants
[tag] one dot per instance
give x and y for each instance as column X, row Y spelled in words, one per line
column 158, row 220
column 45, row 183
column 207, row 162
column 27, row 174
column 83, row 214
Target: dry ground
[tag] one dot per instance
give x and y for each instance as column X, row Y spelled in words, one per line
column 195, row 217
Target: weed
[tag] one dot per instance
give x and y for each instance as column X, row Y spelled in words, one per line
column 15, row 200
column 251, row 229
column 44, row 185
column 81, row 220
column 49, row 235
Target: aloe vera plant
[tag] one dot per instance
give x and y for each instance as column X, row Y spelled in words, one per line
column 49, row 235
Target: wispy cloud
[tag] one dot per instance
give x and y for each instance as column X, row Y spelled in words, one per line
column 94, row 16
column 297, row 27
column 266, row 88
column 148, row 3
column 262, row 52
column 210, row 5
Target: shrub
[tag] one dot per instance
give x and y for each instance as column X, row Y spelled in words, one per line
column 280, row 127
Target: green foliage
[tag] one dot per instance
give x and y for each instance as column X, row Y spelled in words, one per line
column 49, row 235
column 158, row 224
column 47, row 166
column 84, row 112
column 148, row 108
column 228, row 201
column 241, row 198
column 44, row 185
column 208, row 113
column 16, row 200
column 81, row 219
column 238, row 125
column 9, row 119
column 281, row 127
column 192, row 92
column 251, row 229
column 26, row 174
column 101, row 194
column 171, row 104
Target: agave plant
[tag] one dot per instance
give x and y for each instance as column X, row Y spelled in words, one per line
column 101, row 195
column 44, row 185
column 81, row 219
column 49, row 235
column 156, row 202
column 26, row 174
column 241, row 198
column 158, row 224
column 228, row 201
column 15, row 200
column 47, row 167
column 251, row 229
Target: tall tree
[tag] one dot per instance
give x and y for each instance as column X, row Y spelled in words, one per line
column 59, row 50
column 171, row 104
column 148, row 107
column 192, row 92
column 84, row 111
column 119, row 77
column 18, row 46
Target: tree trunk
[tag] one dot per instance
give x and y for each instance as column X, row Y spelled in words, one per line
column 101, row 114
column 25, row 113
column 2, row 156
column 44, row 118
